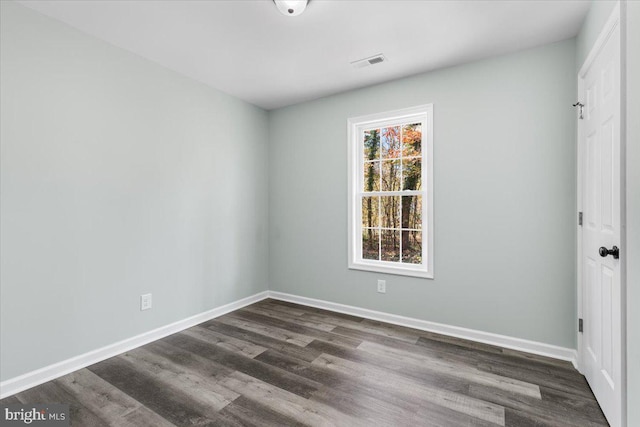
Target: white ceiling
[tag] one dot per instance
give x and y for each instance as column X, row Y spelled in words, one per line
column 246, row 48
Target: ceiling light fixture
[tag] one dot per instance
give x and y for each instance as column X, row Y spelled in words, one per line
column 291, row 7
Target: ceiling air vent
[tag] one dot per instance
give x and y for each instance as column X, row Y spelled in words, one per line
column 369, row 61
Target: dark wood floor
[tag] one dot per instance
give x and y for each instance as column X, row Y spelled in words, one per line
column 281, row 364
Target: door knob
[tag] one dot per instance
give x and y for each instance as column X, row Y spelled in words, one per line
column 613, row 251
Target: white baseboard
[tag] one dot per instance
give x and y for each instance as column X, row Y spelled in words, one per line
column 48, row 373
column 519, row 344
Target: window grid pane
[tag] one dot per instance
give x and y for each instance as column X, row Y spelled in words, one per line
column 370, row 212
column 390, row 245
column 390, row 142
column 372, row 144
column 390, row 173
column 393, row 158
column 392, row 224
column 411, row 247
column 371, row 176
column 412, row 140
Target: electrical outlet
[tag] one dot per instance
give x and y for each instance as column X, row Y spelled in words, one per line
column 382, row 286
column 145, row 302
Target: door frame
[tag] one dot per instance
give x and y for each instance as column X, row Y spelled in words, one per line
column 613, row 21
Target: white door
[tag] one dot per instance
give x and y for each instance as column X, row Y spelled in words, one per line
column 599, row 139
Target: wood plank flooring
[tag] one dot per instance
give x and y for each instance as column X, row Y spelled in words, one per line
column 280, row 364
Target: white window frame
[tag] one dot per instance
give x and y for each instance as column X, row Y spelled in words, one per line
column 356, row 128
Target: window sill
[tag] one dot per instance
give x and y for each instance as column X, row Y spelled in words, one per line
column 399, row 271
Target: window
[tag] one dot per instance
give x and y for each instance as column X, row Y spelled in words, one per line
column 391, row 192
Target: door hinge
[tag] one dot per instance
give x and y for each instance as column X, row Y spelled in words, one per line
column 580, row 325
column 580, row 106
column 579, row 218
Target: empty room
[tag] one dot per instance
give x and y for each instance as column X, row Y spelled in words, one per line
column 319, row 213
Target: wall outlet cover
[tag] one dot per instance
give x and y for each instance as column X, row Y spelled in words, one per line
column 145, row 302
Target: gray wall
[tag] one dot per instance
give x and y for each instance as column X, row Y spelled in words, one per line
column 119, row 177
column 504, row 197
column 632, row 57
column 594, row 21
